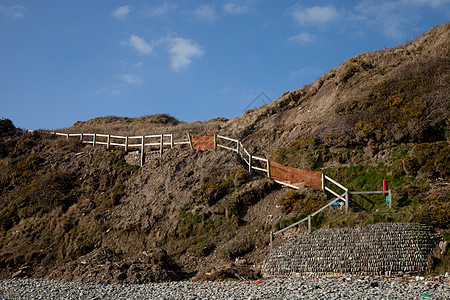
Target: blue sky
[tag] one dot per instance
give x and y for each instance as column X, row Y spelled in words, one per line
column 63, row 61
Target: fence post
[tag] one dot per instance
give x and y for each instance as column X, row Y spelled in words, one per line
column 309, row 224
column 271, row 239
column 237, row 146
column 142, row 151
column 171, row 140
column 190, row 141
column 81, row 137
column 108, row 142
column 347, row 199
column 249, row 163
column 161, row 146
column 126, row 144
column 390, row 199
column 93, row 142
column 67, row 136
column 268, row 167
column 215, row 141
column 323, row 182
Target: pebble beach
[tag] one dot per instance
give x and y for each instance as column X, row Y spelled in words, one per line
column 278, row 288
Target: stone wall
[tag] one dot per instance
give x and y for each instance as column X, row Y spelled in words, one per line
column 380, row 249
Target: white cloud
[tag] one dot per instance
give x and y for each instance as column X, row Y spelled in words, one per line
column 140, row 44
column 306, row 72
column 132, row 79
column 391, row 17
column 182, row 51
column 432, row 3
column 235, row 9
column 158, row 10
column 224, row 91
column 303, row 38
column 121, row 13
column 13, row 12
column 109, row 90
column 316, row 15
column 206, row 12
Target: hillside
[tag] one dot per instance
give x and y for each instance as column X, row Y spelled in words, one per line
column 73, row 212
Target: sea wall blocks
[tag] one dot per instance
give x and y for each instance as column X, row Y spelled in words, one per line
column 380, row 249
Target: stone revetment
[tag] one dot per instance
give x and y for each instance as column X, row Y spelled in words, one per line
column 380, row 249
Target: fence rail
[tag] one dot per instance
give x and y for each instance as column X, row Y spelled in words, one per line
column 115, row 140
column 286, row 176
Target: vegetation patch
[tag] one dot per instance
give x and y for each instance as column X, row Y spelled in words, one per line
column 429, row 160
column 307, row 153
column 399, row 109
column 7, row 128
column 198, row 232
column 434, row 210
column 218, row 185
column 408, row 168
column 302, row 202
column 237, row 204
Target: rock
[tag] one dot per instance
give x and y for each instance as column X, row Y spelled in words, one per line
column 18, row 274
column 240, row 261
column 133, row 158
column 443, row 245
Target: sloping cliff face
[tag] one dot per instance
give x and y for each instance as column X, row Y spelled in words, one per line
column 381, row 86
column 63, row 203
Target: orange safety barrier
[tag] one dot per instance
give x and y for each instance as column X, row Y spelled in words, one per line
column 202, row 142
column 295, row 177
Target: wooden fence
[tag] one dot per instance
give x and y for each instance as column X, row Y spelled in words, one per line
column 287, row 176
column 157, row 142
column 253, row 162
column 284, row 175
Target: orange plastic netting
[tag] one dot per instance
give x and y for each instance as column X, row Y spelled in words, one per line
column 296, row 177
column 202, row 142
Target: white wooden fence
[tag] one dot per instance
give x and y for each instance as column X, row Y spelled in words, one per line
column 159, row 141
column 345, row 198
column 254, row 162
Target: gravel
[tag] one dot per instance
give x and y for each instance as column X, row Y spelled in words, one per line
column 279, row 288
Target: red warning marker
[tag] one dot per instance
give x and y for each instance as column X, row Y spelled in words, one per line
column 385, row 187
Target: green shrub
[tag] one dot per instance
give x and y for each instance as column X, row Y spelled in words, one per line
column 397, row 109
column 8, row 216
column 428, row 160
column 218, row 185
column 435, row 211
column 7, row 127
column 302, row 203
